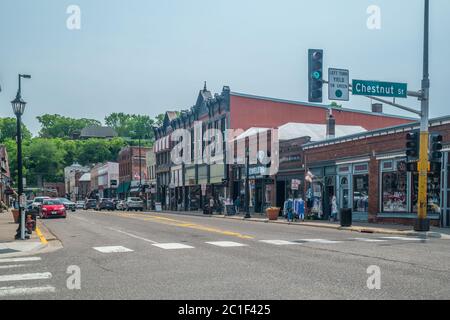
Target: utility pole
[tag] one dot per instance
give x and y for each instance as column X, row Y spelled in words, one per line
column 422, row 223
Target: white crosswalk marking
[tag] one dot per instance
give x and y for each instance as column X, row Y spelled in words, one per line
column 320, row 241
column 226, row 244
column 368, row 240
column 25, row 277
column 20, row 291
column 404, row 239
column 172, row 246
column 12, row 266
column 27, row 259
column 279, row 242
column 112, row 249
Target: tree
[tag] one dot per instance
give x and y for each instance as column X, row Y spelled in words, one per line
column 131, row 125
column 44, row 159
column 56, row 126
column 8, row 130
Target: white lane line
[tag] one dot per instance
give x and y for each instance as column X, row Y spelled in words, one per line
column 368, row 240
column 403, row 239
column 279, row 242
column 12, row 266
column 112, row 249
column 133, row 236
column 172, row 246
column 14, row 291
column 28, row 259
column 226, row 244
column 25, row 277
column 319, row 241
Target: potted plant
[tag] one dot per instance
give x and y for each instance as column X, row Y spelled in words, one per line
column 273, row 213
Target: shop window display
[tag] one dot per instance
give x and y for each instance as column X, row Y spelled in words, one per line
column 394, row 186
column 434, row 193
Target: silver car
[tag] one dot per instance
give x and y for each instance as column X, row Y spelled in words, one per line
column 135, row 204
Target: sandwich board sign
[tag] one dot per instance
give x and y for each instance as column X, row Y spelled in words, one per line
column 338, row 84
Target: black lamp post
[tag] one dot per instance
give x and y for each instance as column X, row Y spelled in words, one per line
column 18, row 106
column 247, row 184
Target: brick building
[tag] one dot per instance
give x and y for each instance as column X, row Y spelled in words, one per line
column 5, row 175
column 235, row 111
column 131, row 169
column 366, row 172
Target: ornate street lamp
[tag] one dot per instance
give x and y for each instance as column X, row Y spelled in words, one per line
column 18, row 106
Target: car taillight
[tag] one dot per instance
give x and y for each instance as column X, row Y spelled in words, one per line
column 44, row 209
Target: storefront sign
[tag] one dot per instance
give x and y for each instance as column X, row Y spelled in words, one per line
column 295, row 185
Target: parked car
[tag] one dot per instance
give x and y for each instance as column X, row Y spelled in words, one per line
column 134, row 204
column 79, row 205
column 90, row 204
column 68, row 204
column 121, row 205
column 37, row 203
column 52, row 208
column 106, row 204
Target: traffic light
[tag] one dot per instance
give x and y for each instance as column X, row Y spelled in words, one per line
column 436, row 147
column 315, row 75
column 412, row 146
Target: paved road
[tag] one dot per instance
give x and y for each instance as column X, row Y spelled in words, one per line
column 148, row 256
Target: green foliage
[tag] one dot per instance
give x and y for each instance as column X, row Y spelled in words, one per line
column 131, row 125
column 334, row 104
column 56, row 126
column 8, row 129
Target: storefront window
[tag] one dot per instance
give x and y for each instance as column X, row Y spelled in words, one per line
column 361, row 193
column 394, row 186
column 434, row 193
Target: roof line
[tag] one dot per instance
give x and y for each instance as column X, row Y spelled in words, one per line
column 323, row 106
column 404, row 127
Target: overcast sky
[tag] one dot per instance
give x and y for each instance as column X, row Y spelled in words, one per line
column 149, row 56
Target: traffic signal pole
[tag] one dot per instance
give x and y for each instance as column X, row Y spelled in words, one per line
column 422, row 223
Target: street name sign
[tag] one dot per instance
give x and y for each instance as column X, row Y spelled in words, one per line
column 380, row 89
column 338, row 84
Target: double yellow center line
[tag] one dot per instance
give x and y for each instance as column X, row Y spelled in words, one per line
column 185, row 224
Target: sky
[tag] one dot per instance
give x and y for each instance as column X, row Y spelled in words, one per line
column 150, row 56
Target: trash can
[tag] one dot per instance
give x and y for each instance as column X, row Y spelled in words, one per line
column 346, row 217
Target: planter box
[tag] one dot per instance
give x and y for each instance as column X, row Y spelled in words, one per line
column 273, row 213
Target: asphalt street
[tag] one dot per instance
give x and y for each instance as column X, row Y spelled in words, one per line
column 162, row 256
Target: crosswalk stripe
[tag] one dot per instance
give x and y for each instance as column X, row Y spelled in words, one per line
column 369, row 240
column 27, row 259
column 319, row 241
column 20, row 291
column 12, row 266
column 226, row 244
column 172, row 246
column 25, row 277
column 112, row 249
column 279, row 242
column 404, row 239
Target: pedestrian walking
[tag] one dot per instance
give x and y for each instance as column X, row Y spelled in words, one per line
column 237, row 204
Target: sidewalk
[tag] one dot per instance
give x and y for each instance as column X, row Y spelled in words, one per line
column 361, row 227
column 9, row 246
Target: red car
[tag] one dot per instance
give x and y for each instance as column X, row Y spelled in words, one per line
column 52, row 208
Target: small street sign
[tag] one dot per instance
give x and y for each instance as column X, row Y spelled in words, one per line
column 295, row 184
column 338, row 84
column 379, row 89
